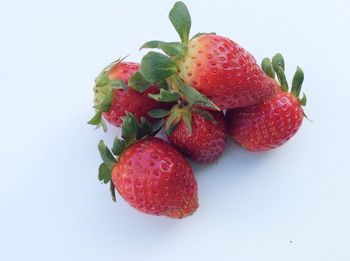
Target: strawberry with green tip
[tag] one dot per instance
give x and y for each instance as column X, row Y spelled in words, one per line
column 214, row 65
column 151, row 175
column 271, row 123
column 116, row 93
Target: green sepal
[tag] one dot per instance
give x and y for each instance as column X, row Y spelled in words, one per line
column 194, row 97
column 173, row 119
column 144, row 129
column 303, row 100
column 96, row 120
column 105, row 105
column 163, row 84
column 266, row 65
column 173, row 49
column 129, row 128
column 118, row 146
column 297, row 82
column 158, row 113
column 205, row 114
column 200, row 34
column 281, row 78
column 118, row 84
column 106, row 155
column 157, row 126
column 165, row 96
column 138, row 83
column 187, row 118
column 156, row 66
column 103, row 125
column 181, row 20
column 277, row 60
column 104, row 173
column 102, row 80
column 172, row 128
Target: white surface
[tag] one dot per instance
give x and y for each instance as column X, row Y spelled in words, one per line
column 287, row 204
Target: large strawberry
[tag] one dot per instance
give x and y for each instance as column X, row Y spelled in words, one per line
column 198, row 134
column 271, row 123
column 114, row 95
column 149, row 173
column 214, row 65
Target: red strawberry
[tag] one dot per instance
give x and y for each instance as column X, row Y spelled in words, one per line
column 214, row 65
column 204, row 139
column 149, row 174
column 272, row 123
column 225, row 72
column 113, row 96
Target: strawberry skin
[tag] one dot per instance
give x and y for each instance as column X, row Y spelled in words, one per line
column 155, row 178
column 207, row 141
column 267, row 125
column 127, row 100
column 224, row 72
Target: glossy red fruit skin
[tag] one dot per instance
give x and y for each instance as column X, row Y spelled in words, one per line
column 156, row 179
column 225, row 72
column 129, row 101
column 267, row 125
column 208, row 139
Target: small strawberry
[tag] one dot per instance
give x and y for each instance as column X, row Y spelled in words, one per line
column 149, row 174
column 198, row 134
column 214, row 65
column 273, row 122
column 113, row 96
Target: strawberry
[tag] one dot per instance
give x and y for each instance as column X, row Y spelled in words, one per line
column 198, row 134
column 273, row 122
column 113, row 96
column 214, row 65
column 149, row 174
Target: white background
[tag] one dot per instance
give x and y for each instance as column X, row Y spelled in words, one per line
column 288, row 204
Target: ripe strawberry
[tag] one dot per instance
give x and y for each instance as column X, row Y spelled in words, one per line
column 150, row 174
column 113, row 96
column 224, row 72
column 273, row 122
column 199, row 135
column 214, row 65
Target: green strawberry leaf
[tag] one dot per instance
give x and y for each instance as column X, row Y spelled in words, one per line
column 165, row 96
column 297, row 82
column 200, row 34
column 138, row 83
column 106, row 103
column 181, row 20
column 157, row 126
column 104, row 173
column 118, row 146
column 157, row 66
column 205, row 114
column 129, row 128
column 163, row 84
column 277, row 60
column 195, row 97
column 158, row 113
column 96, row 120
column 174, row 49
column 172, row 128
column 106, row 155
column 266, row 65
column 145, row 129
column 303, row 100
column 281, row 78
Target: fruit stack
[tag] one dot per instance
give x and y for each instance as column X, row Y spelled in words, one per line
column 197, row 91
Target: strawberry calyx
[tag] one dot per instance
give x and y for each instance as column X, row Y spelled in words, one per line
column 103, row 90
column 275, row 67
column 132, row 131
column 156, row 67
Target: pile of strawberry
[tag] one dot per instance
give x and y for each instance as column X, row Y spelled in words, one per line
column 198, row 91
